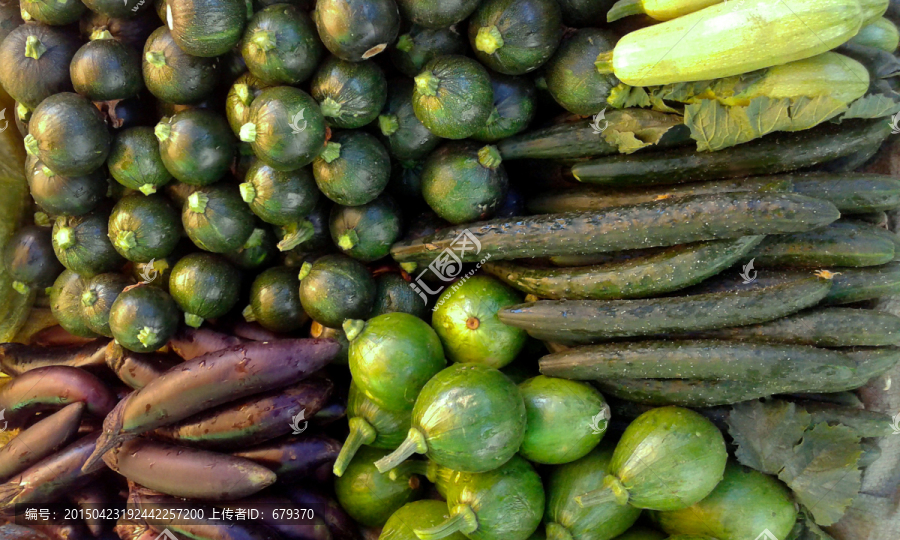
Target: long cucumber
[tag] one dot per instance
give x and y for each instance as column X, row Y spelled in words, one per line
column 851, row 193
column 731, row 38
column 662, row 223
column 669, row 270
column 581, row 321
column 776, row 153
column 586, row 198
column 821, row 327
column 838, row 244
column 696, row 393
column 870, row 363
column 703, row 359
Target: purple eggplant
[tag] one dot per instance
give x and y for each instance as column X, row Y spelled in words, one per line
column 252, row 331
column 92, row 498
column 294, row 458
column 341, row 525
column 252, row 420
column 57, row 336
column 283, row 517
column 138, row 369
column 210, row 380
column 49, row 388
column 17, row 532
column 40, row 440
column 190, row 343
column 331, row 413
column 16, row 359
column 187, row 472
column 59, row 529
column 50, row 478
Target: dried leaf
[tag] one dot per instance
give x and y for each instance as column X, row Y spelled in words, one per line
column 631, row 130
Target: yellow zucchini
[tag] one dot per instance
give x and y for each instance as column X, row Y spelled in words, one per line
column 881, row 34
column 661, row 10
column 731, row 38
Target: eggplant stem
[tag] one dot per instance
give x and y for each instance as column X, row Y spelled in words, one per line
column 361, row 432
column 624, row 8
column 462, row 519
column 414, row 444
column 388, row 124
column 612, row 491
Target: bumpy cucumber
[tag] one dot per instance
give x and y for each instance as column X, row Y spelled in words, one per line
column 870, row 363
column 584, row 198
column 661, row 223
column 669, row 270
column 851, row 193
column 780, row 152
column 695, row 393
column 702, row 359
column 590, row 320
column 821, row 327
column 839, row 244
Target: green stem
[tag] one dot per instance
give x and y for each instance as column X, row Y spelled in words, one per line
column 305, row 269
column 414, row 444
column 612, row 492
column 23, row 112
column 348, row 240
column 388, row 124
column 65, row 237
column 163, row 130
column 409, row 266
column 242, row 91
column 488, row 39
column 89, row 298
column 194, row 321
column 264, row 39
column 101, row 33
column 604, row 62
column 248, row 314
column 352, row 328
column 331, row 152
column 34, row 48
column 489, row 157
column 156, row 59
column 147, row 336
column 555, row 531
column 41, row 219
column 255, row 240
column 126, row 240
column 624, row 8
column 197, row 202
column 21, row 287
column 405, row 43
column 31, row 145
column 330, row 108
column 248, row 192
column 409, row 468
column 295, row 234
column 47, row 172
column 147, row 189
column 361, row 432
column 427, row 83
column 248, row 132
column 462, row 519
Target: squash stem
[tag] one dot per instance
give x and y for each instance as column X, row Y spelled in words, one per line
column 414, row 444
column 612, row 491
column 248, row 314
column 156, row 59
column 31, row 145
column 147, row 189
column 197, row 202
column 41, row 219
column 305, row 269
column 23, row 112
column 34, row 48
column 409, row 266
column 427, row 83
column 248, row 132
column 21, row 287
column 352, row 328
column 488, row 39
column 47, row 172
column 604, row 62
column 555, row 531
column 194, row 321
column 101, row 33
column 348, row 240
column 624, row 8
column 361, row 432
column 163, row 130
column 295, row 234
column 264, row 39
column 489, row 157
column 126, row 240
column 405, row 43
column 255, row 240
column 330, row 107
column 147, row 336
column 409, row 468
column 388, row 124
column 89, row 298
column 65, row 237
column 331, row 152
column 248, row 192
column 462, row 519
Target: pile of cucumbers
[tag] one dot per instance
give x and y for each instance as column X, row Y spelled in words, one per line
column 519, row 266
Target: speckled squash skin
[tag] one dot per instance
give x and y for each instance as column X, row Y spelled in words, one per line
column 206, row 28
column 350, row 94
column 336, row 288
column 464, row 182
column 453, row 97
column 281, row 46
column 275, row 300
column 515, row 37
column 174, row 76
column 288, row 129
column 144, row 227
column 356, row 30
column 371, row 497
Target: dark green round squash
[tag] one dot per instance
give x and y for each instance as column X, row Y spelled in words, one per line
column 206, row 28
column 571, row 76
column 281, row 46
column 82, row 243
column 405, row 137
column 257, row 252
column 336, row 288
column 453, row 96
column 144, row 227
column 52, row 12
column 64, row 195
column 173, row 75
column 464, row 181
column 420, row 45
column 366, row 232
column 515, row 104
column 121, row 9
column 581, row 13
column 133, row 29
column 205, row 286
column 350, row 94
column 286, row 129
column 68, row 134
column 66, row 306
column 275, row 300
column 353, row 169
column 29, row 259
column 356, row 30
column 437, row 13
column 134, row 160
column 515, row 37
column 196, row 146
column 216, row 219
column 393, row 294
column 34, row 62
column 143, row 318
column 279, row 197
column 105, row 69
column 97, row 299
column 240, row 97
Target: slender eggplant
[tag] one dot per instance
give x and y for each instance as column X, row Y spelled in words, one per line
column 252, row 420
column 189, row 343
column 280, row 515
column 57, row 336
column 90, row 498
column 50, row 388
column 342, row 527
column 50, row 478
column 16, row 358
column 211, row 380
column 294, row 458
column 11, row 531
column 40, row 440
column 138, row 369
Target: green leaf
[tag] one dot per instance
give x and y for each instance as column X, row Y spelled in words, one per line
column 823, row 471
column 715, row 126
column 766, row 433
column 624, row 97
column 871, row 106
column 769, row 115
column 633, row 129
column 810, row 112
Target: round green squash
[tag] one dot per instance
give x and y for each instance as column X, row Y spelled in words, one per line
column 144, row 227
column 350, row 94
column 356, row 30
column 281, row 46
column 29, row 259
column 515, row 37
column 353, row 169
column 464, row 181
column 336, row 288
column 366, row 232
column 286, row 129
column 419, row 45
column 216, row 219
column 68, row 134
column 437, row 13
column 453, row 96
column 143, row 318
column 98, row 297
column 34, row 62
column 279, row 197
column 371, row 497
column 105, row 69
column 82, row 243
column 275, row 300
column 571, row 76
column 196, row 146
column 393, row 294
column 173, row 75
column 135, row 162
column 52, row 12
column 428, row 513
column 64, row 195
column 66, row 306
column 205, row 286
column 206, row 28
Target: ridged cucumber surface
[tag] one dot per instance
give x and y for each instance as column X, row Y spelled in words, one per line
column 851, row 193
column 839, row 244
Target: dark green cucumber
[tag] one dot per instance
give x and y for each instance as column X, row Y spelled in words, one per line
column 661, row 223
column 420, row 45
column 870, row 363
column 571, row 76
column 821, row 327
column 694, row 393
column 279, row 197
column 838, row 244
column 353, row 169
column 403, row 134
column 205, row 286
column 82, row 244
column 134, row 160
column 672, row 269
column 584, row 198
column 701, row 359
column 143, row 318
column 280, row 45
column 579, row 139
column 97, row 300
column 767, row 155
column 366, row 232
column 144, row 227
column 879, row 218
column 275, row 300
column 515, row 104
column 216, row 219
column 206, row 28
column 105, row 69
column 196, row 146
column 240, row 97
column 173, row 75
column 453, row 97
column 66, row 306
column 851, row 193
column 64, row 195
column 590, row 320
column 515, row 37
column 350, row 94
column 857, row 284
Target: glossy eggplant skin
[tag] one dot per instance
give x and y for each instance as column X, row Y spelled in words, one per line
column 53, row 387
column 281, row 46
column 68, row 134
column 174, row 76
column 206, row 28
column 138, row 369
column 30, row 80
column 356, row 30
column 295, row 457
column 40, row 440
column 105, row 69
column 16, row 358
